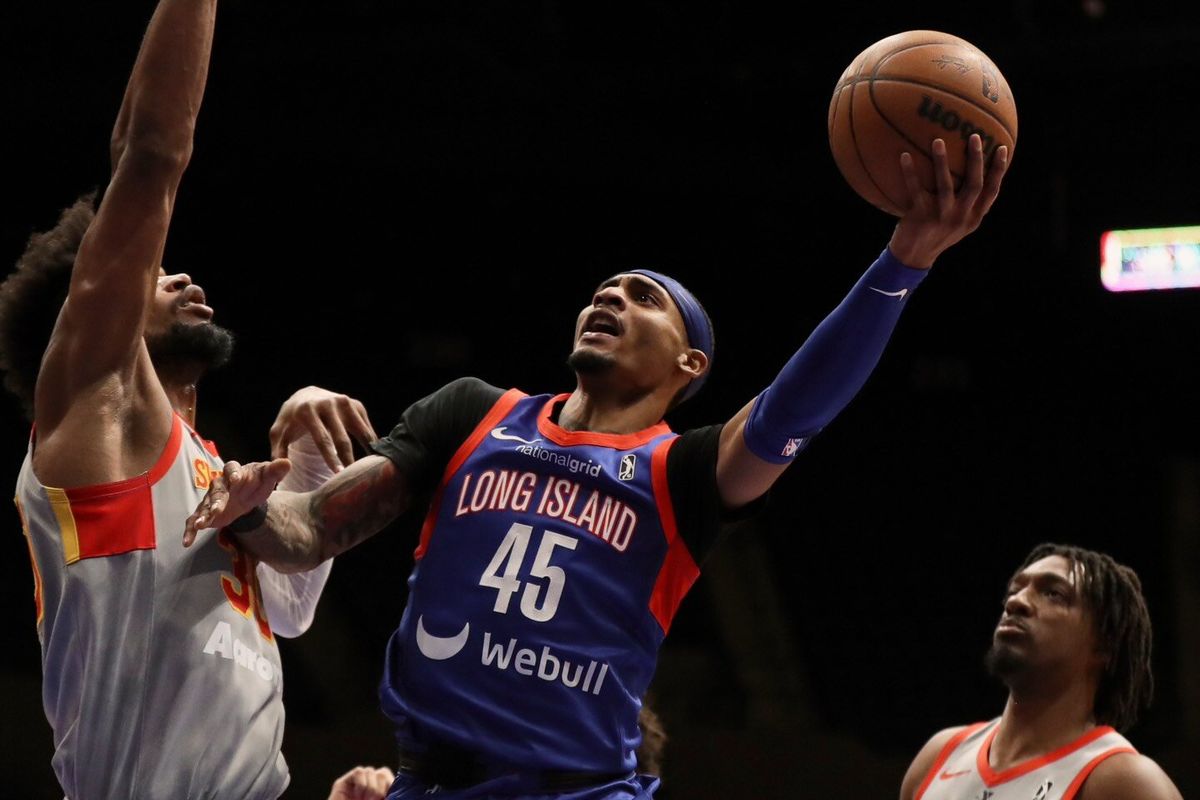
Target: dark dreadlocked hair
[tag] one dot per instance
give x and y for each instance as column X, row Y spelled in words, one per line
column 1113, row 593
column 33, row 294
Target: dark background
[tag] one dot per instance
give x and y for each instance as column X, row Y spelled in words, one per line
column 386, row 195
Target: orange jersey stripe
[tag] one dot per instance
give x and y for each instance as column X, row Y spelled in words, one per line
column 622, row 441
column 992, row 778
column 679, row 570
column 944, row 755
column 497, row 413
column 1076, row 784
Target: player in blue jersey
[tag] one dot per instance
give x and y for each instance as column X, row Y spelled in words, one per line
column 563, row 530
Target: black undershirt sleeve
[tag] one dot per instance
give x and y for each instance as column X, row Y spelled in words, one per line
column 434, row 427
column 692, row 480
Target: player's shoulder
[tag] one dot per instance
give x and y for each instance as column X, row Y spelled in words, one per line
column 472, row 386
column 467, row 392
column 1129, row 776
column 936, row 743
column 927, row 757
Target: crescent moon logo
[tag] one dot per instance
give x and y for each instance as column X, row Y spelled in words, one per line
column 440, row 648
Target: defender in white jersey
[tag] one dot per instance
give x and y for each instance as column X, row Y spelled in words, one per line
column 1073, row 647
column 161, row 675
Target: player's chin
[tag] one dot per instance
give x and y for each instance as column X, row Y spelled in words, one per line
column 587, row 359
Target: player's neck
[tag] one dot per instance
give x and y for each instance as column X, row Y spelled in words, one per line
column 606, row 413
column 1035, row 723
column 183, row 400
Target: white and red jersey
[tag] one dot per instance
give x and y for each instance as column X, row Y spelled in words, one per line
column 962, row 770
column 161, row 675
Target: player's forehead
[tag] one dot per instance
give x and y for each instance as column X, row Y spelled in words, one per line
column 1052, row 567
column 634, row 281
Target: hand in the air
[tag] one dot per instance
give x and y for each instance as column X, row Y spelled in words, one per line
column 936, row 220
column 333, row 420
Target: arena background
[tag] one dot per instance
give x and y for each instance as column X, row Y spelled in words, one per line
column 385, row 196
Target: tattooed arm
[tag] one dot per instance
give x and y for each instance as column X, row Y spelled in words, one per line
column 295, row 531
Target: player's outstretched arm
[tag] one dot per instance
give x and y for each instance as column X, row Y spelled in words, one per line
column 759, row 442
column 293, row 532
column 98, row 338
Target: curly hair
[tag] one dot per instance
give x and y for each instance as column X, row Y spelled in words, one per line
column 33, row 294
column 1113, row 593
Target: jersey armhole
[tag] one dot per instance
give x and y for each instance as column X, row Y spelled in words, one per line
column 1077, row 784
column 944, row 756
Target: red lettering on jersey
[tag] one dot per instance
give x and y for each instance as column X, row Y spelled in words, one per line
column 242, row 588
column 204, row 473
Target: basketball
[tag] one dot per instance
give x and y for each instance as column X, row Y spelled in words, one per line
column 903, row 92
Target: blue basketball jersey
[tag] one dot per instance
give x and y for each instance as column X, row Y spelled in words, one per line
column 548, row 570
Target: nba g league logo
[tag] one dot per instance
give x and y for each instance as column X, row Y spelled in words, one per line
column 628, row 465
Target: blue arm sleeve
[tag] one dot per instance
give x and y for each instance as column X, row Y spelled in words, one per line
column 829, row 369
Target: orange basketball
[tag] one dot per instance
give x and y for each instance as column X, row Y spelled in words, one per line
column 903, row 92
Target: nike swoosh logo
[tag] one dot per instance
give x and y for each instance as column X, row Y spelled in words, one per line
column 948, row 775
column 498, row 433
column 440, row 648
column 900, row 293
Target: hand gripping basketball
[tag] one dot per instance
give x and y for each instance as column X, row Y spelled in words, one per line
column 902, row 93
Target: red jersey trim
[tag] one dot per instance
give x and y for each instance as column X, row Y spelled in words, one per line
column 109, row 519
column 207, row 444
column 498, row 412
column 944, row 756
column 618, row 441
column 153, row 476
column 993, row 778
column 1077, row 784
column 678, row 571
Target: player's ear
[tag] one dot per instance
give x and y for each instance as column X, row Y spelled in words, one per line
column 694, row 362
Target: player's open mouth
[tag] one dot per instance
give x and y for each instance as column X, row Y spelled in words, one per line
column 601, row 323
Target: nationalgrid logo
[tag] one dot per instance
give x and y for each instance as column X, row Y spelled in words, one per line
column 533, row 449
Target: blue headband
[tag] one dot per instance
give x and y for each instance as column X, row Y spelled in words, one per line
column 695, row 321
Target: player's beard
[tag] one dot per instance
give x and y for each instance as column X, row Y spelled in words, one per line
column 588, row 362
column 187, row 347
column 1004, row 663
